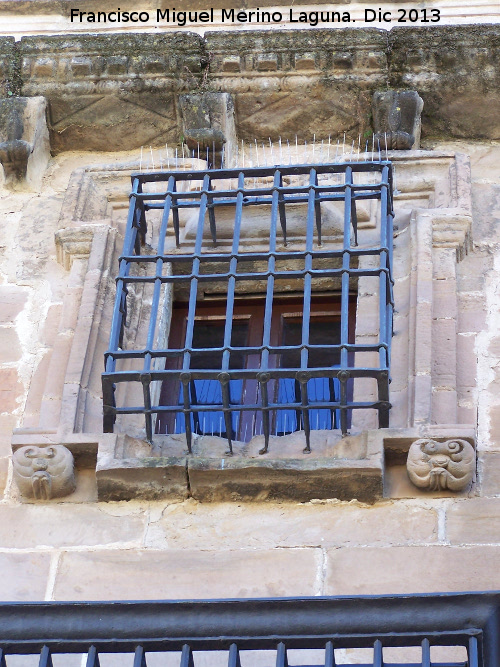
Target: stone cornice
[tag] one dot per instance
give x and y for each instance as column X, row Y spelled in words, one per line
column 121, row 91
column 109, row 59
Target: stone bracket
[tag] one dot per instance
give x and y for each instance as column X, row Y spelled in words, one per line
column 44, row 472
column 24, row 139
column 396, row 119
column 208, row 123
column 441, row 466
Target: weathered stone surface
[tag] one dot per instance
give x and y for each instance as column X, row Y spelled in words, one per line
column 466, row 360
column 4, row 473
column 288, row 479
column 488, row 467
column 269, row 72
column 186, row 574
column 208, row 122
column 63, row 7
column 7, row 425
column 472, row 313
column 486, row 208
column 24, row 576
column 232, row 526
column 475, row 521
column 39, row 222
column 44, row 472
column 28, row 526
column 422, row 569
column 127, row 85
column 9, row 74
column 455, row 72
column 149, row 478
column 438, row 466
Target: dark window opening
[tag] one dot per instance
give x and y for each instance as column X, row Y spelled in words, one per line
column 247, row 332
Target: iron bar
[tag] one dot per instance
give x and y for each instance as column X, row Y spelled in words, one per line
column 234, row 656
column 329, row 655
column 45, row 657
column 187, row 656
column 281, row 656
column 92, row 657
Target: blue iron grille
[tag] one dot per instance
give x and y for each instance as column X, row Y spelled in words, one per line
column 200, row 247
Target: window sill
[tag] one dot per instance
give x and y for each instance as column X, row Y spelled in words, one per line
column 356, row 467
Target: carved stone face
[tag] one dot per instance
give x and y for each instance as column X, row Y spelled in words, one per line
column 439, row 466
column 44, row 472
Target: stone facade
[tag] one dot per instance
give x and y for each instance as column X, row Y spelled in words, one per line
column 119, row 534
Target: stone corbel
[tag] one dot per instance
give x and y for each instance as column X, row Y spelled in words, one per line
column 396, row 119
column 441, row 466
column 24, row 139
column 208, row 123
column 43, row 473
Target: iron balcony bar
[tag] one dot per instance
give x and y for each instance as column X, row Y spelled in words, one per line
column 468, row 620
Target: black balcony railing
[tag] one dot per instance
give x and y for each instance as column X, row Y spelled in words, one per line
column 251, row 233
column 178, row 630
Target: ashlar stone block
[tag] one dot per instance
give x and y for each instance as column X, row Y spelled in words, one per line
column 419, row 569
column 186, row 574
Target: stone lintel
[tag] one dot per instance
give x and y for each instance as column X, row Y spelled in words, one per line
column 121, row 91
column 239, row 479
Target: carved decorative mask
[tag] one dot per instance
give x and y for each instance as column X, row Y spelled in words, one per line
column 44, row 472
column 440, row 466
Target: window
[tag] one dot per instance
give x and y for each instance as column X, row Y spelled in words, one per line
column 266, row 263
column 283, row 390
